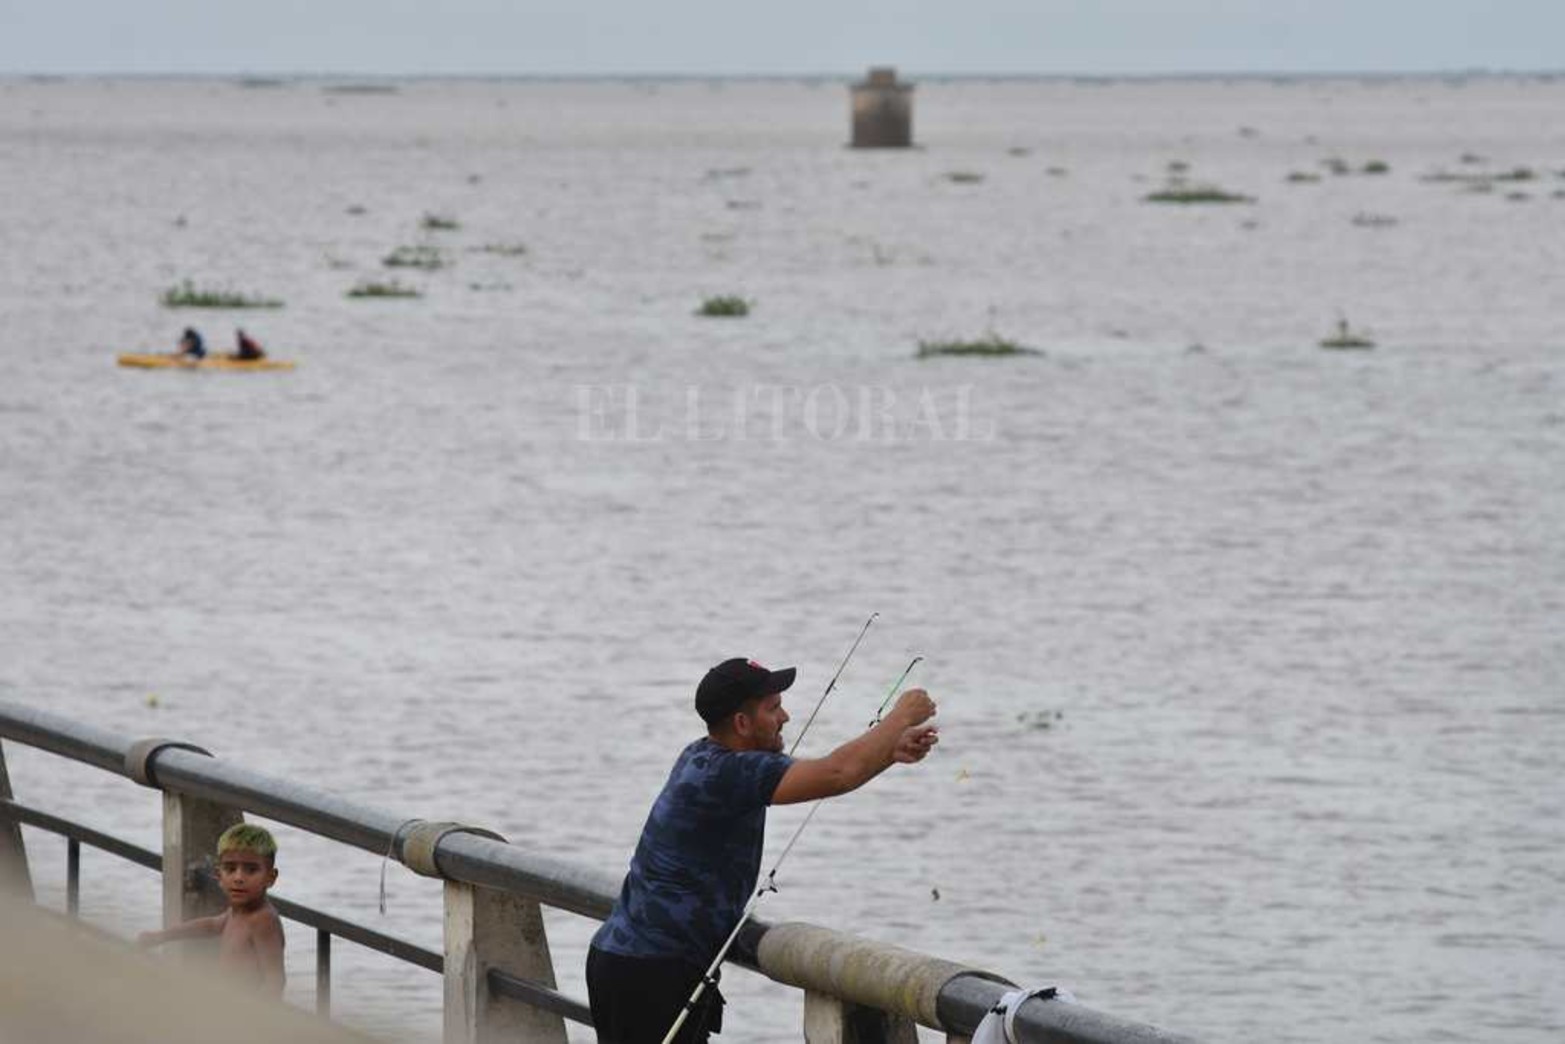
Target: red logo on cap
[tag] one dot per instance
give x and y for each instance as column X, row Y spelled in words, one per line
column 757, row 666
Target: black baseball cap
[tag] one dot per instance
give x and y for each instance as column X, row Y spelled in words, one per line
column 730, row 683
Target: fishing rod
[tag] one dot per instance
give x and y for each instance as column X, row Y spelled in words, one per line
column 893, row 690
column 770, row 884
column 832, row 684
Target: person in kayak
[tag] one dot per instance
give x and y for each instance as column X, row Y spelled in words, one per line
column 249, row 349
column 190, row 344
column 699, row 857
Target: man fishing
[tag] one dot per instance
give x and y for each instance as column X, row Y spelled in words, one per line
column 699, row 858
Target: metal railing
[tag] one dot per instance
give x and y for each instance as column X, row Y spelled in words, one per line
column 487, row 976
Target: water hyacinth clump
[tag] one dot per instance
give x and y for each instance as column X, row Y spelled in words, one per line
column 502, row 249
column 1180, row 193
column 1346, row 338
column 725, row 306
column 188, row 295
column 391, row 289
column 1474, row 179
column 989, row 345
column 439, row 223
column 421, row 256
column 964, row 177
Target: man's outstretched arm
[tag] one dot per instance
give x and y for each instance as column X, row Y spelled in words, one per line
column 900, row 736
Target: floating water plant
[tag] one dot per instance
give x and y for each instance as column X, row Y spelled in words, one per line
column 1040, row 719
column 502, row 249
column 990, row 344
column 188, row 295
column 1346, row 338
column 1376, row 167
column 421, row 256
column 1336, row 165
column 1178, row 166
column 1195, row 194
column 391, row 289
column 1302, row 177
column 1365, row 219
column 726, row 306
column 439, row 223
column 963, row 177
column 1516, row 174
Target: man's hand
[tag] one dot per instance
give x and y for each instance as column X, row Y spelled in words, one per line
column 915, row 743
column 914, row 707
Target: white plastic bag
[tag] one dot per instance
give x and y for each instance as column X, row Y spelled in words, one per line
column 999, row 1026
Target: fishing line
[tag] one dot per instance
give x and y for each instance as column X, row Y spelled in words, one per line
column 391, row 850
column 770, row 884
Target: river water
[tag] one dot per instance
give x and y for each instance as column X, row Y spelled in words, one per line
column 1248, row 652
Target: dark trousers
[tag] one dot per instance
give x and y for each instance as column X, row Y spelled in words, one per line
column 636, row 999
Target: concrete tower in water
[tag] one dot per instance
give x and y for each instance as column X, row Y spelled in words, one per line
column 882, row 111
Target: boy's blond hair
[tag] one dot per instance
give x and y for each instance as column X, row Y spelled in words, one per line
column 256, row 839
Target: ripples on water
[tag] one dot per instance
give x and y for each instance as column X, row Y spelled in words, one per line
column 1248, row 656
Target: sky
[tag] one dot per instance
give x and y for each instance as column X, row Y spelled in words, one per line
column 782, row 37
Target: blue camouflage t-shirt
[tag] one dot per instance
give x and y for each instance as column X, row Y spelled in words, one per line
column 699, row 857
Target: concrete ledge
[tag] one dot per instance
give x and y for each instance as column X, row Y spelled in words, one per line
column 60, row 981
column 859, row 971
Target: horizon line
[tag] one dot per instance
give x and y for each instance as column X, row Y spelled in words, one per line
column 242, row 75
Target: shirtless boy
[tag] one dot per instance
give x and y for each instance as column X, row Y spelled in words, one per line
column 250, row 944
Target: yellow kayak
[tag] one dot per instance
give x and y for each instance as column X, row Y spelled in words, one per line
column 151, row 361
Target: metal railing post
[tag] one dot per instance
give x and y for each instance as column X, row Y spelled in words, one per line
column 323, row 973
column 831, row 1020
column 191, row 828
column 73, row 877
column 14, row 877
column 488, row 929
